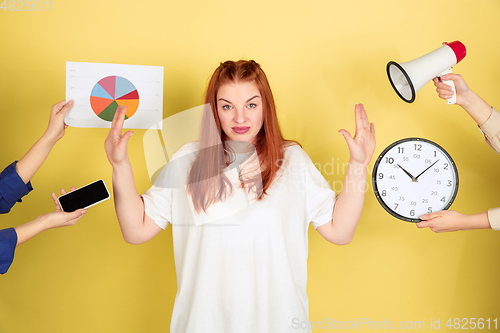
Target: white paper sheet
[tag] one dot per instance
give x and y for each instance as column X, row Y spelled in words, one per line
column 97, row 89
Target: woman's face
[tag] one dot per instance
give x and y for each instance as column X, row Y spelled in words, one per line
column 239, row 106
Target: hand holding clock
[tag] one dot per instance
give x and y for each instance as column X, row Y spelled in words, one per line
column 450, row 220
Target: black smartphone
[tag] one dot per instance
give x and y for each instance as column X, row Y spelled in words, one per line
column 84, row 197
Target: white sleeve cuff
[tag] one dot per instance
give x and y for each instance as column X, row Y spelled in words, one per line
column 494, row 218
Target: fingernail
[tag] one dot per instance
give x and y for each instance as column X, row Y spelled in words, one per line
column 70, row 102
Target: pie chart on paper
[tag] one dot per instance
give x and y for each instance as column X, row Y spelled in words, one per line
column 109, row 93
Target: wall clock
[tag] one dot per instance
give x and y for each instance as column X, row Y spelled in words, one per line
column 414, row 176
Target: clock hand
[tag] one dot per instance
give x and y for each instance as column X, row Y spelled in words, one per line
column 413, row 179
column 426, row 170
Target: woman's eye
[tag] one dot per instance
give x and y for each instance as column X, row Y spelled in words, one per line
column 252, row 105
column 226, row 107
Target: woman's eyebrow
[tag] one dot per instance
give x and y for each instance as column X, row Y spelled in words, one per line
column 252, row 98
column 225, row 100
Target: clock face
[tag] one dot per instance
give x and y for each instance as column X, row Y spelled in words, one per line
column 413, row 177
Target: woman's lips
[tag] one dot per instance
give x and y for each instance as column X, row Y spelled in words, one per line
column 240, row 130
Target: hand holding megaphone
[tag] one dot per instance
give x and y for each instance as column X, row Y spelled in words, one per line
column 471, row 102
column 409, row 77
column 446, row 91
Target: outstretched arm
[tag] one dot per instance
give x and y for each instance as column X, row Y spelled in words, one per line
column 48, row 221
column 449, row 220
column 29, row 164
column 349, row 205
column 136, row 226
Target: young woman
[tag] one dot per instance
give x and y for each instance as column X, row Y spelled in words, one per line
column 240, row 201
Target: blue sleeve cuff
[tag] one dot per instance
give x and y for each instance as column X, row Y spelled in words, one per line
column 8, row 242
column 12, row 188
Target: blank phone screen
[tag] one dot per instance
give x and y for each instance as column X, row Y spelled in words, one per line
column 84, row 197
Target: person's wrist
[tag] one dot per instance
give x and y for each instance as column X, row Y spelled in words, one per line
column 478, row 221
column 468, row 99
column 121, row 166
column 43, row 222
column 49, row 138
column 358, row 168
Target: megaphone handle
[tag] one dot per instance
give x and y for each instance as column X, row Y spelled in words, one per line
column 452, row 99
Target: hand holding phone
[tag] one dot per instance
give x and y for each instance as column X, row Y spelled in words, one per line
column 84, row 197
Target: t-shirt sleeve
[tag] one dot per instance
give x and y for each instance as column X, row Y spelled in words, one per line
column 12, row 188
column 320, row 198
column 159, row 199
column 8, row 242
column 158, row 205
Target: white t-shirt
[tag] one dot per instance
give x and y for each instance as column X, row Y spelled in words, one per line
column 245, row 271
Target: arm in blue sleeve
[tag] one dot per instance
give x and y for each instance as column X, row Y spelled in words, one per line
column 8, row 242
column 12, row 188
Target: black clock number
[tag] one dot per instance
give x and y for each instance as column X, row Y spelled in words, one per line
column 389, row 160
column 380, row 176
column 418, row 147
column 401, row 150
column 445, row 166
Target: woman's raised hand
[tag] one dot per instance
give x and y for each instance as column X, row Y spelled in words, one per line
column 116, row 143
column 362, row 145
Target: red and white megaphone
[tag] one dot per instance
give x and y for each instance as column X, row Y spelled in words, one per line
column 407, row 78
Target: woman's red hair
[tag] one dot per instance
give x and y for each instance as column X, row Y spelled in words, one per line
column 207, row 183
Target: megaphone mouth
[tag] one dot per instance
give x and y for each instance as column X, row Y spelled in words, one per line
column 401, row 82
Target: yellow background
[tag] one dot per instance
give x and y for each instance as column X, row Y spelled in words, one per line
column 321, row 57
